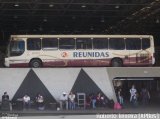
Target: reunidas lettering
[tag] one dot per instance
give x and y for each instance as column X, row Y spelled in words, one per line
column 90, row 54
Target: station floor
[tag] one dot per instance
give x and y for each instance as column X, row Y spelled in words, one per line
column 128, row 109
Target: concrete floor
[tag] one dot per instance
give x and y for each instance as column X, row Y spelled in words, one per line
column 153, row 108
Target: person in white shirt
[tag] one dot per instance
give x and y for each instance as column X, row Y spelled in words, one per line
column 71, row 98
column 133, row 94
column 26, row 101
column 64, row 100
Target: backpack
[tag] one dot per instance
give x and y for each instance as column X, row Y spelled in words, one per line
column 117, row 106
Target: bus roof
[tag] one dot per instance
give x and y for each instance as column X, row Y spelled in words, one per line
column 80, row 36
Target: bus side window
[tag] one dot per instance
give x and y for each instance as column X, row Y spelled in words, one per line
column 66, row 43
column 33, row 44
column 83, row 43
column 145, row 43
column 133, row 44
column 100, row 43
column 116, row 44
column 49, row 43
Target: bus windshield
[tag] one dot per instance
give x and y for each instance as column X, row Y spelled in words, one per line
column 16, row 48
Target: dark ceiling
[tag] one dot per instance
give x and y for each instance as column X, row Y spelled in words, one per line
column 80, row 16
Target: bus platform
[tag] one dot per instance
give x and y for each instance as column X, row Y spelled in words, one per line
column 128, row 109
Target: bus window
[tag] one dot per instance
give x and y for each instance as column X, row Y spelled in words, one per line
column 100, row 43
column 116, row 43
column 33, row 44
column 83, row 43
column 66, row 43
column 145, row 43
column 49, row 43
column 16, row 48
column 133, row 44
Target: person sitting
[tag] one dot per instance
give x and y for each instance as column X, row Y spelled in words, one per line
column 88, row 101
column 26, row 102
column 40, row 102
column 98, row 99
column 6, row 106
column 103, row 101
column 5, row 97
column 64, row 100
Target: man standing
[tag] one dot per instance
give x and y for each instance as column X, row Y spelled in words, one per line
column 133, row 95
column 145, row 96
column 71, row 100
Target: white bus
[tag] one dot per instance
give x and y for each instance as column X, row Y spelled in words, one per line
column 80, row 50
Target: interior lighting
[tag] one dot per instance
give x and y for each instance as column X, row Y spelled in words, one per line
column 51, row 5
column 83, row 6
column 16, row 5
column 117, row 6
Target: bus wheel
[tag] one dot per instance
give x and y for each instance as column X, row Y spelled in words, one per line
column 35, row 63
column 117, row 62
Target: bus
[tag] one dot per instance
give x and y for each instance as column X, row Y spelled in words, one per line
column 80, row 50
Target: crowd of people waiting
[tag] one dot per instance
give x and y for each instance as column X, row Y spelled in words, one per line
column 66, row 101
column 92, row 101
column 69, row 101
column 26, row 100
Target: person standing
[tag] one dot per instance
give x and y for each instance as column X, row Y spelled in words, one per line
column 145, row 96
column 133, row 95
column 120, row 97
column 71, row 98
column 93, row 101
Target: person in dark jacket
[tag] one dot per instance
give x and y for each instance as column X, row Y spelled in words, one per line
column 6, row 106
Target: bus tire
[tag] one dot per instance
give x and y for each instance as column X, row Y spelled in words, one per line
column 116, row 62
column 35, row 63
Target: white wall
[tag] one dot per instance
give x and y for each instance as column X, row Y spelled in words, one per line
column 11, row 79
column 56, row 80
